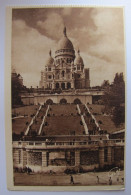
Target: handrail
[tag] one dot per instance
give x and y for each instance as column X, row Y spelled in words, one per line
column 28, row 128
column 43, row 121
column 93, row 117
column 85, row 142
column 83, row 121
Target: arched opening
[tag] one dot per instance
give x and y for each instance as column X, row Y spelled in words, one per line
column 77, row 101
column 57, row 85
column 63, row 73
column 63, row 85
column 68, row 85
column 63, row 101
column 49, row 102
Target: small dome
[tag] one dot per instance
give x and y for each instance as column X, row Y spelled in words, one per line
column 79, row 59
column 65, row 43
column 50, row 60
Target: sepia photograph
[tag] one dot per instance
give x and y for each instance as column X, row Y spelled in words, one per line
column 67, row 77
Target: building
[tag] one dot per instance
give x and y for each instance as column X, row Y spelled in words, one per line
column 65, row 70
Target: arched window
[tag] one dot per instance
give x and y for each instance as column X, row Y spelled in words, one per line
column 63, row 85
column 49, row 101
column 78, row 67
column 77, row 101
column 63, row 101
column 63, row 73
column 57, row 85
column 68, row 85
column 49, row 77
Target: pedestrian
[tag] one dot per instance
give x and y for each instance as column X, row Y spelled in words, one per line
column 71, row 179
column 110, row 181
column 122, row 180
column 97, row 179
column 94, row 169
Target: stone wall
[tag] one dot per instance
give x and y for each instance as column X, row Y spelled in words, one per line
column 88, row 158
column 41, row 99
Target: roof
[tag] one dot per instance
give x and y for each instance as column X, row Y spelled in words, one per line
column 79, row 59
column 65, row 43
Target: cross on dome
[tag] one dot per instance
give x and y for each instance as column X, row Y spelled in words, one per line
column 64, row 31
column 50, row 52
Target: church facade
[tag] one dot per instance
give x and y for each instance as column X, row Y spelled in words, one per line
column 65, row 70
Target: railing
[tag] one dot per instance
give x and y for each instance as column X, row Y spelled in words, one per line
column 32, row 121
column 44, row 144
column 43, row 121
column 83, row 121
column 93, row 117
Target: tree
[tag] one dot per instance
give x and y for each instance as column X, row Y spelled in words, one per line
column 114, row 99
column 105, row 84
column 16, row 89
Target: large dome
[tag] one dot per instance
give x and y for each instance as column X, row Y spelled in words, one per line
column 65, row 43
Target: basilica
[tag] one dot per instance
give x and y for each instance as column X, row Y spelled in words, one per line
column 65, row 71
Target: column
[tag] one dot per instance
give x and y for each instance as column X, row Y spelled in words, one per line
column 65, row 85
column 101, row 157
column 53, row 85
column 24, row 154
column 72, row 84
column 112, row 155
column 44, row 159
column 16, row 157
column 77, row 158
column 109, row 154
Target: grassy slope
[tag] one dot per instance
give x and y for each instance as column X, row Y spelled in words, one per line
column 107, row 123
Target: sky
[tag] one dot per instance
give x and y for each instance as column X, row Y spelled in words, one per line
column 98, row 32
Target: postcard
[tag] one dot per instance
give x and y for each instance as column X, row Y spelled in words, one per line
column 65, row 98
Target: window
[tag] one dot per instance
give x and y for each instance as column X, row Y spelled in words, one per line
column 63, row 73
column 49, row 69
column 78, row 67
column 49, row 77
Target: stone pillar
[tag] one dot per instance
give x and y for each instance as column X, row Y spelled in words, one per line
column 112, row 155
column 77, row 157
column 44, row 159
column 24, row 155
column 16, row 157
column 65, row 85
column 101, row 157
column 72, row 84
column 53, row 85
column 109, row 154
